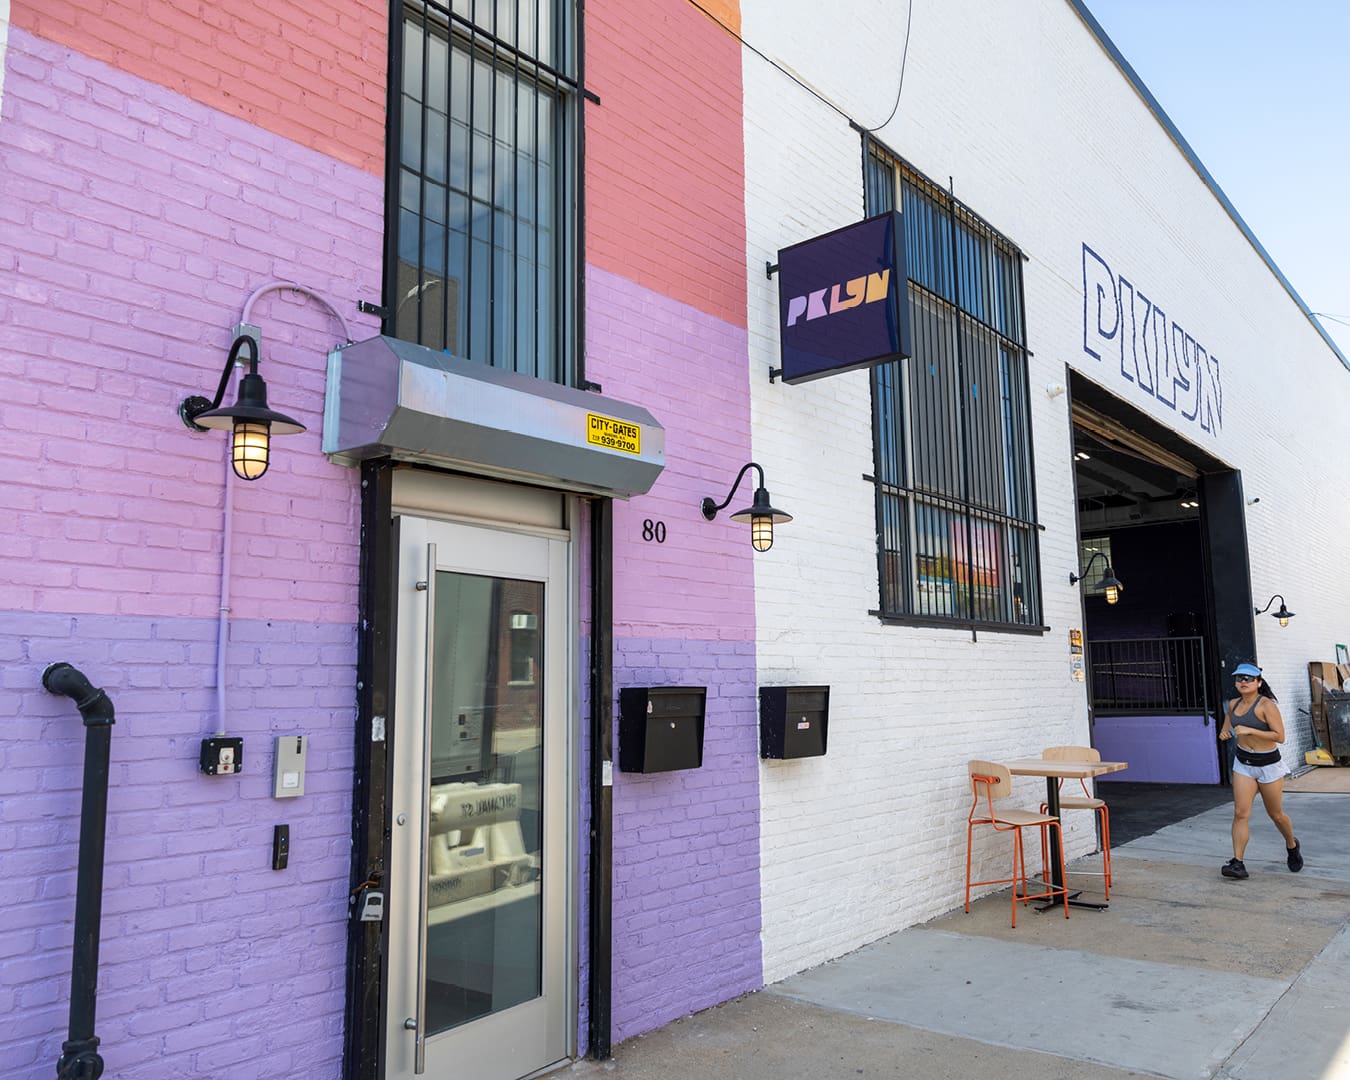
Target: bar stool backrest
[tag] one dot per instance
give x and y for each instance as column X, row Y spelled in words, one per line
column 996, row 777
column 1071, row 753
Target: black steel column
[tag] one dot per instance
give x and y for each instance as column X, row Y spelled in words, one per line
column 1228, row 581
column 602, row 756
column 367, row 961
column 80, row 1059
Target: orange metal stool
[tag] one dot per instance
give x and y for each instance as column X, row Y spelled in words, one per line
column 1086, row 801
column 989, row 781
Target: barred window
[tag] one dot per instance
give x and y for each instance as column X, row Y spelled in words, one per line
column 956, row 513
column 482, row 245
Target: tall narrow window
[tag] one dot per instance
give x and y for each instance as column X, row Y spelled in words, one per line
column 956, row 514
column 483, row 252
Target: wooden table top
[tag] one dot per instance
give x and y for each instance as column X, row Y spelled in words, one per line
column 1067, row 769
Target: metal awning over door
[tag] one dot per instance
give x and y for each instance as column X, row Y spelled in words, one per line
column 391, row 398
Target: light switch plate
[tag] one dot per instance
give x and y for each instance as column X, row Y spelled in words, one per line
column 288, row 777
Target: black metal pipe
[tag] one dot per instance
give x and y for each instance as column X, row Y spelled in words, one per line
column 80, row 1059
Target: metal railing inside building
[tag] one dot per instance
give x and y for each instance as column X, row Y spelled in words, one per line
column 1148, row 675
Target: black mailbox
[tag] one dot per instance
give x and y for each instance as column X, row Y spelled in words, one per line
column 661, row 728
column 793, row 721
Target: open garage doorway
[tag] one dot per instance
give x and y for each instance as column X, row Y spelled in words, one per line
column 1169, row 520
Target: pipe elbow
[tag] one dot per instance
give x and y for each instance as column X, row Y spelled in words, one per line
column 95, row 706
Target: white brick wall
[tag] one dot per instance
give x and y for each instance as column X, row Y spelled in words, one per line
column 1044, row 137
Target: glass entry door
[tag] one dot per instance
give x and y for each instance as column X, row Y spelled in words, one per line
column 478, row 883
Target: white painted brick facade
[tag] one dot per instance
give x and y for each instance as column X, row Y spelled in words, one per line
column 1043, row 136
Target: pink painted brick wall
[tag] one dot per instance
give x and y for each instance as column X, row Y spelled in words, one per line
column 700, row 581
column 665, row 326
column 134, row 223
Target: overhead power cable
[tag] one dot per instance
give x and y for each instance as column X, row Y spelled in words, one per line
column 812, row 90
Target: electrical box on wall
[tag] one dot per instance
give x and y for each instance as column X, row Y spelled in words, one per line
column 793, row 721
column 661, row 728
column 222, row 756
column 288, row 774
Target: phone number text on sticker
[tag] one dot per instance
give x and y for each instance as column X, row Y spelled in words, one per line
column 613, row 434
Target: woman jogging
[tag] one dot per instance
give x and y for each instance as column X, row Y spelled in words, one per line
column 1254, row 720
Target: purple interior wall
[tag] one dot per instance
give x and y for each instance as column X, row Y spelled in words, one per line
column 1162, row 569
column 1160, row 749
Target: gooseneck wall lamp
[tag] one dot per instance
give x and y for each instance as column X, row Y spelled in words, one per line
column 1108, row 582
column 1284, row 614
column 761, row 516
column 252, row 422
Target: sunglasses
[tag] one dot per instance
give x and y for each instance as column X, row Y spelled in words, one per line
column 1244, row 678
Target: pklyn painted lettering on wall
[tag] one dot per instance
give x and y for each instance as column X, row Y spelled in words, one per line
column 1122, row 323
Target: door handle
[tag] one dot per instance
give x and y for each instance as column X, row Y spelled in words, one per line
column 418, row 1024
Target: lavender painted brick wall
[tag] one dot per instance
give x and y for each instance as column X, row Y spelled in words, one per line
column 211, row 964
column 134, row 224
column 686, row 911
column 686, row 846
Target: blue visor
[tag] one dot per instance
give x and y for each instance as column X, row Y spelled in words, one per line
column 1247, row 669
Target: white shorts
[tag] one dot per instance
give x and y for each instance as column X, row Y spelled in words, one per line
column 1262, row 774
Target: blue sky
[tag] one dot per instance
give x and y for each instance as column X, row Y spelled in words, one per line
column 1260, row 92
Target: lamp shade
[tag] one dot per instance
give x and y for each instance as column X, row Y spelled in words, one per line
column 1284, row 614
column 1112, row 585
column 251, row 405
column 762, row 518
column 253, row 424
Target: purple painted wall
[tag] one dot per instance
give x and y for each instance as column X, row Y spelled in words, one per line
column 686, row 844
column 211, row 963
column 1160, row 749
column 1162, row 570
column 136, row 223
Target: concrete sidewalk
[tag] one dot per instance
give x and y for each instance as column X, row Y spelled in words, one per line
column 1188, row 975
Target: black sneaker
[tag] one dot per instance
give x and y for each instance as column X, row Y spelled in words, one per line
column 1295, row 858
column 1233, row 868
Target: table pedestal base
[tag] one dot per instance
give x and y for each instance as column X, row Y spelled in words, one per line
column 1075, row 899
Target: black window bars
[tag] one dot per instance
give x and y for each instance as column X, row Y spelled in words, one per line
column 483, row 210
column 956, row 509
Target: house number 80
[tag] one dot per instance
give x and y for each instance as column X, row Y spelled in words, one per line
column 654, row 530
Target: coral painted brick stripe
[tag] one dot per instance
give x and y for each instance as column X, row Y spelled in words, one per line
column 664, row 209
column 313, row 74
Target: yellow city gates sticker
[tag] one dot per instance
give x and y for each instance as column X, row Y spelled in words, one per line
column 613, row 434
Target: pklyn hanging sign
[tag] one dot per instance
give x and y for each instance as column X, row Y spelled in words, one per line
column 843, row 300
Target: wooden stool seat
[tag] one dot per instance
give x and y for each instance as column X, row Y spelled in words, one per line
column 1018, row 819
column 1078, row 802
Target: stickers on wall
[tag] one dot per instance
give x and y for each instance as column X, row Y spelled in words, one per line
column 1077, row 669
